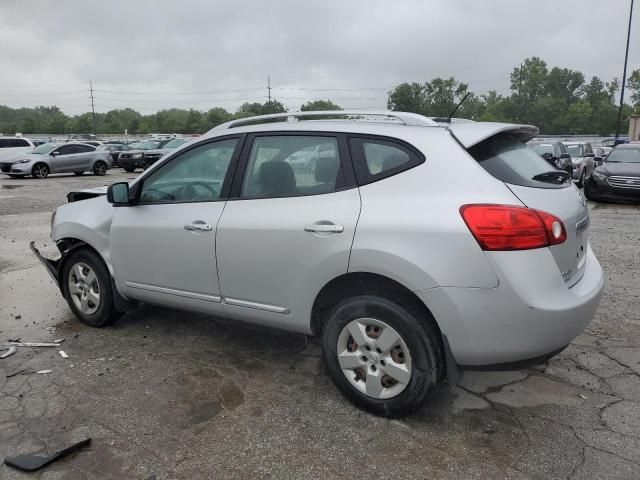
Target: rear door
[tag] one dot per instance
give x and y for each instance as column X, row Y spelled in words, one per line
column 288, row 227
column 84, row 157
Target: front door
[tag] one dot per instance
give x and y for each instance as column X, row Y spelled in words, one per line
column 288, row 228
column 163, row 248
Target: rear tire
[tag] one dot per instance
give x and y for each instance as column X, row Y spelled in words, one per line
column 78, row 173
column 400, row 381
column 99, row 168
column 582, row 178
column 40, row 171
column 86, row 286
column 128, row 169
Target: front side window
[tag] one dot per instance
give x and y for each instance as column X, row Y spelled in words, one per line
column 196, row 175
column 285, row 166
column 66, row 150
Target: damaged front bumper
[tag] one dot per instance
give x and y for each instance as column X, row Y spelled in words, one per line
column 50, row 265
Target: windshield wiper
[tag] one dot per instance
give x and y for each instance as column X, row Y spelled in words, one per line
column 552, row 176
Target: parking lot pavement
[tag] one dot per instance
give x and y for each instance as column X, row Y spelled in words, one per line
column 181, row 395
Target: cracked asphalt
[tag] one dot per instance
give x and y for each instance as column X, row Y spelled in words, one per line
column 166, row 394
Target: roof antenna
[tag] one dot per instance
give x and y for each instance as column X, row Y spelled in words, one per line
column 457, row 107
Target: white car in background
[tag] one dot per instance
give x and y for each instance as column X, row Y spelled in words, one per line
column 10, row 147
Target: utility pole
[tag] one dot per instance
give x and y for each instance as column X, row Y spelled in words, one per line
column 269, row 88
column 93, row 110
column 624, row 76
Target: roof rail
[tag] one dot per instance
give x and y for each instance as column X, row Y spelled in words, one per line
column 404, row 118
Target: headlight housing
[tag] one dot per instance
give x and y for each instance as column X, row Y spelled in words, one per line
column 137, row 155
column 598, row 176
column 24, row 160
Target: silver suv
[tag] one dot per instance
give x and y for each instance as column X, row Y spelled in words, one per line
column 414, row 248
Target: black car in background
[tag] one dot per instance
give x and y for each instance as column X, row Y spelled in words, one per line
column 114, row 150
column 617, row 177
column 555, row 153
column 132, row 159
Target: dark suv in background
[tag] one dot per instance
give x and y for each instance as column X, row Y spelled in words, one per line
column 555, row 153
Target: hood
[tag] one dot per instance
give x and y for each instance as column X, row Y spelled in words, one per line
column 86, row 193
column 621, row 169
column 472, row 133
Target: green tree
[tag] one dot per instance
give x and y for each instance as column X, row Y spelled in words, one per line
column 633, row 83
column 319, row 105
column 408, row 97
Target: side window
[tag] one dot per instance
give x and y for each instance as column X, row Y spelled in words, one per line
column 196, row 175
column 18, row 142
column 376, row 159
column 563, row 149
column 5, row 143
column 286, row 166
column 84, row 149
column 66, row 150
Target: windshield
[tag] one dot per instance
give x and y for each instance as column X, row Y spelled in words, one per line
column 148, row 145
column 44, row 149
column 542, row 148
column 574, row 150
column 175, row 143
column 624, row 155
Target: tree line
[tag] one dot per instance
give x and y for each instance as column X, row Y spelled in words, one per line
column 556, row 100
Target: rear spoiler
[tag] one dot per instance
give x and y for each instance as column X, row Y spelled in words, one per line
column 470, row 134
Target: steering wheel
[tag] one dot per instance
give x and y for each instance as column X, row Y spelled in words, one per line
column 190, row 189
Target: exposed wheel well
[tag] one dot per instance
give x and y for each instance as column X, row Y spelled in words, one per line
column 359, row 283
column 66, row 245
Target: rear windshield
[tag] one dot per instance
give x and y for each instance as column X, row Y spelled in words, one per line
column 508, row 159
column 574, row 150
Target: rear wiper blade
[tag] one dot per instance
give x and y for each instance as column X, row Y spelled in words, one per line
column 552, row 176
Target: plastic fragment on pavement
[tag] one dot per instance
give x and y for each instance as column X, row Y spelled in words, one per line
column 44, row 371
column 63, row 354
column 10, row 351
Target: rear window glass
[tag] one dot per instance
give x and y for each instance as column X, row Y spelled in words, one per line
column 508, row 159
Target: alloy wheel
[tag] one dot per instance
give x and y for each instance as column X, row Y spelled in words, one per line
column 100, row 168
column 40, row 171
column 84, row 288
column 374, row 358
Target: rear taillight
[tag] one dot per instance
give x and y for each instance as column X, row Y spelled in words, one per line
column 508, row 227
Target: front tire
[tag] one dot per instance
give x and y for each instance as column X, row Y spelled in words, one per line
column 86, row 286
column 40, row 170
column 383, row 356
column 99, row 168
column 582, row 178
column 128, row 169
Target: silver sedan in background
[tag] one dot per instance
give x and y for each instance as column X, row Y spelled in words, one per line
column 59, row 158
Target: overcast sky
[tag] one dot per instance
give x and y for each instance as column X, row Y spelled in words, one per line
column 200, row 54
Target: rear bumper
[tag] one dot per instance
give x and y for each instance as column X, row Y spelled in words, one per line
column 530, row 316
column 50, row 265
column 130, row 162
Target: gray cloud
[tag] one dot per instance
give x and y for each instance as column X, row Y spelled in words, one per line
column 148, row 54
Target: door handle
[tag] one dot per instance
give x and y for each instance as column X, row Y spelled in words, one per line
column 319, row 228
column 200, row 227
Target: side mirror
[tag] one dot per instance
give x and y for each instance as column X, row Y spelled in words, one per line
column 565, row 155
column 55, row 154
column 548, row 156
column 118, row 194
column 599, row 162
column 592, row 155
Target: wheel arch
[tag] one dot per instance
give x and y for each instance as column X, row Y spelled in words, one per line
column 358, row 283
column 69, row 245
